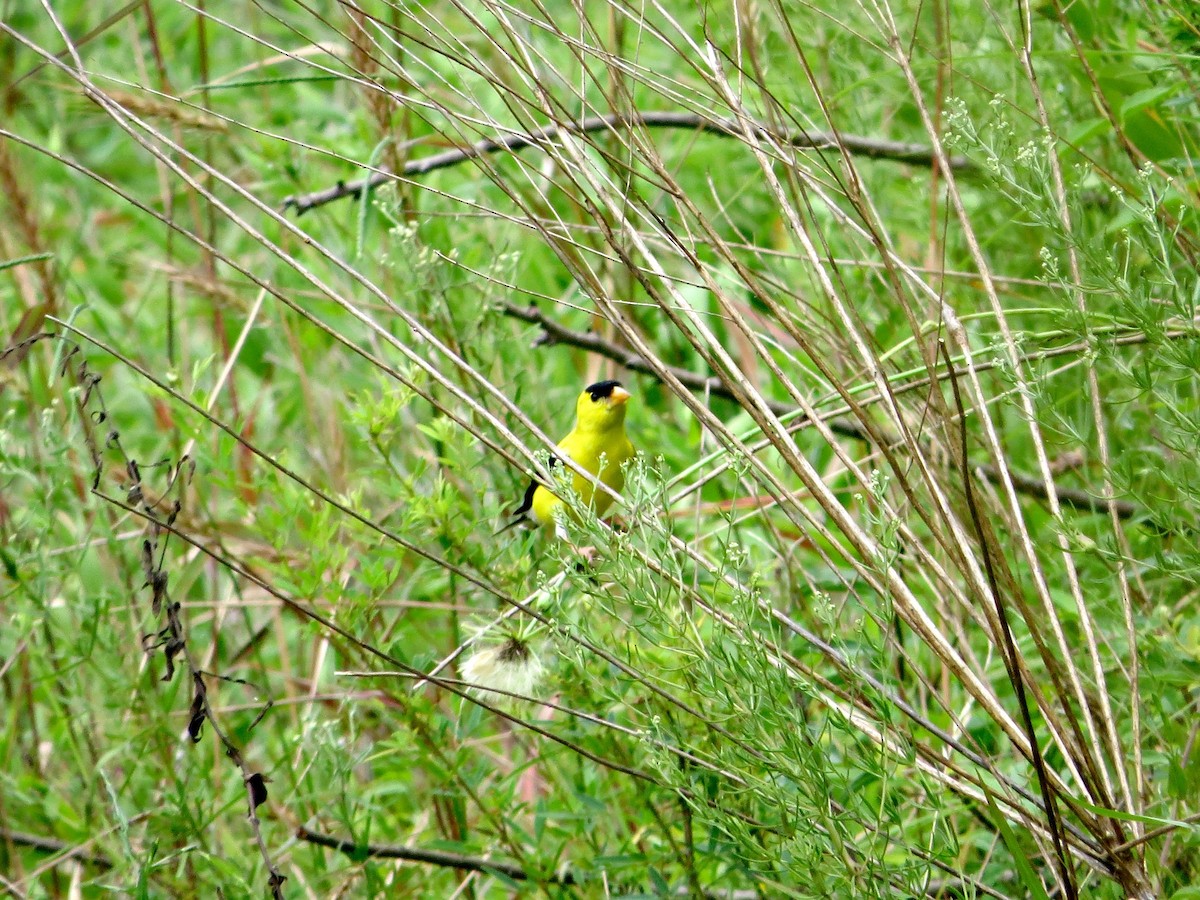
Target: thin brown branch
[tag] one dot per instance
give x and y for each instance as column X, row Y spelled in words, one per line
column 1072, row 497
column 476, row 863
column 432, row 857
column 1010, row 654
column 54, row 845
column 872, row 148
column 555, row 333
column 172, row 638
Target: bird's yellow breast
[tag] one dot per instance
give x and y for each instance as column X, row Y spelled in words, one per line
column 586, row 450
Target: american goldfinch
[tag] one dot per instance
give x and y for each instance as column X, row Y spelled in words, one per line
column 599, row 431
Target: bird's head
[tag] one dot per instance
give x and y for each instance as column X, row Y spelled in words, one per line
column 601, row 406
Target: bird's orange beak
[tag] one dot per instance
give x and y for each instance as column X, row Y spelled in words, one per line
column 619, row 396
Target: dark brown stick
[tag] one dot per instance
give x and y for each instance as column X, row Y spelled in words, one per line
column 475, row 864
column 917, row 154
column 554, row 333
column 432, row 857
column 54, row 845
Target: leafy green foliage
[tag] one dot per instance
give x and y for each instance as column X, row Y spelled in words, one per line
column 253, row 464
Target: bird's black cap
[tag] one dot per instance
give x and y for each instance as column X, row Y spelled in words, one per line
column 602, row 389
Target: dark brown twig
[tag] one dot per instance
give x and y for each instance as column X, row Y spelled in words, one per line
column 433, row 857
column 54, row 845
column 1009, row 653
column 476, row 864
column 171, row 638
column 555, row 333
column 1072, row 497
column 872, row 148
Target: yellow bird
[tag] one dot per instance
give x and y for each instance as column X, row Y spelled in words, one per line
column 599, row 431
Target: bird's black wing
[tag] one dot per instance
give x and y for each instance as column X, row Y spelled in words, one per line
column 521, row 513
